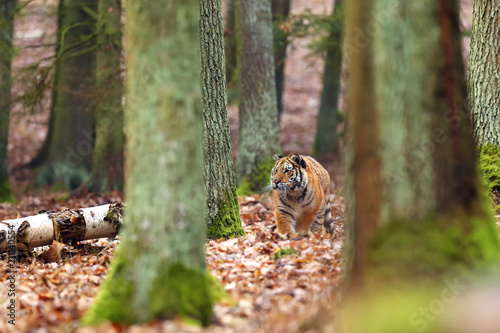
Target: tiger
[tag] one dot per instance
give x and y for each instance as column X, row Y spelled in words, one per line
column 302, row 195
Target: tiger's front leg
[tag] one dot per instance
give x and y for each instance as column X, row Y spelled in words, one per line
column 285, row 223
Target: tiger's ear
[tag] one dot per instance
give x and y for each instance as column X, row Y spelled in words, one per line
column 299, row 160
column 277, row 157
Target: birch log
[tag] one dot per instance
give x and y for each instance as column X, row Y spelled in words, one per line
column 66, row 226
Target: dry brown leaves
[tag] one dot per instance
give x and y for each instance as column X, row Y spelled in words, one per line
column 268, row 295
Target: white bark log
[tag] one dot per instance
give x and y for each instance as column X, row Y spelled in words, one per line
column 66, row 226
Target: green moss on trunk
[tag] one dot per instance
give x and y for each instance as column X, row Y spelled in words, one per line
column 258, row 179
column 227, row 223
column 428, row 249
column 115, row 291
column 177, row 291
column 489, row 164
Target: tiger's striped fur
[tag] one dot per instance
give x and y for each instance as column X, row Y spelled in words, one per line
column 302, row 195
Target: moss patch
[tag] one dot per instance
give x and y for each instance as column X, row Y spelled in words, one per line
column 255, row 182
column 5, row 192
column 489, row 164
column 227, row 223
column 410, row 309
column 284, row 252
column 177, row 291
column 181, row 291
column 426, row 249
column 113, row 302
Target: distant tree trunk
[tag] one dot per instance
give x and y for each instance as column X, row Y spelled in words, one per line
column 7, row 9
column 223, row 215
column 66, row 157
column 258, row 114
column 326, row 141
column 484, row 90
column 413, row 180
column 230, row 35
column 280, row 10
column 159, row 268
column 107, row 167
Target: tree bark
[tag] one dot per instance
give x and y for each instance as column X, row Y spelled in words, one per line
column 484, row 63
column 326, row 141
column 7, row 9
column 484, row 91
column 258, row 113
column 280, row 10
column 159, row 269
column 66, row 157
column 107, row 167
column 67, row 226
column 413, row 179
column 223, row 215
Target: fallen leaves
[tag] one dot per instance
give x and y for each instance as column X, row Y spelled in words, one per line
column 275, row 283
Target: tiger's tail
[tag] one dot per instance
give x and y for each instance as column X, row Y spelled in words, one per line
column 328, row 222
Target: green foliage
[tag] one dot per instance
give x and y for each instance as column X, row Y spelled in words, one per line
column 227, row 223
column 259, row 178
column 284, row 252
column 319, row 27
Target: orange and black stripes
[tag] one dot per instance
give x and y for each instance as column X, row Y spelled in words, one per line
column 302, row 195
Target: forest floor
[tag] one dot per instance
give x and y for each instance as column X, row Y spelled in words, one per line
column 270, row 292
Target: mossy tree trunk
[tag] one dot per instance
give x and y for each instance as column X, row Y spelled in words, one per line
column 258, row 114
column 416, row 214
column 280, row 10
column 484, row 90
column 326, row 141
column 414, row 192
column 7, row 9
column 66, row 157
column 223, row 215
column 107, row 166
column 159, row 269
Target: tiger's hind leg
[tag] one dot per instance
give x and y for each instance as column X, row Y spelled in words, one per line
column 317, row 225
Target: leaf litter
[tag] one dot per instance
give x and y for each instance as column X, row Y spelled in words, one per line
column 268, row 292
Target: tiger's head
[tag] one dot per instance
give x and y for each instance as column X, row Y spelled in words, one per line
column 288, row 173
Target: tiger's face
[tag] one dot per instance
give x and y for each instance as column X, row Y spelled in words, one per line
column 288, row 173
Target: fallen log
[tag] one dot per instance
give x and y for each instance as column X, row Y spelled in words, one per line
column 66, row 226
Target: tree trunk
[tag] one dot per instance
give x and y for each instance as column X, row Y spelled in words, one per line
column 326, row 141
column 258, row 114
column 413, row 183
column 280, row 10
column 66, row 157
column 417, row 221
column 107, row 167
column 159, row 269
column 7, row 9
column 484, row 91
column 67, row 226
column 230, row 36
column 223, row 215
